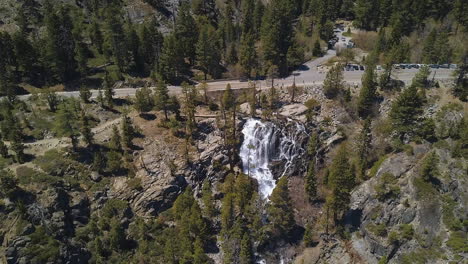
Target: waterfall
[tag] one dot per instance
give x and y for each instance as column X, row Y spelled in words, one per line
column 265, row 142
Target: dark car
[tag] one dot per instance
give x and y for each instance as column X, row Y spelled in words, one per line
column 444, row 66
column 361, row 67
column 434, row 66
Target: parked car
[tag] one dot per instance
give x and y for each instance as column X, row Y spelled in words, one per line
column 433, row 66
column 361, row 67
column 453, row 66
column 378, row 67
column 444, row 66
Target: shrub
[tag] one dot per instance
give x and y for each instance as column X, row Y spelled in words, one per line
column 458, row 242
column 406, row 231
column 376, row 166
column 393, row 237
column 43, row 248
column 424, row 190
column 134, row 184
column 378, row 230
column 387, row 187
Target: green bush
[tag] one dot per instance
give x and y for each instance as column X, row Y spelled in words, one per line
column 27, row 175
column 393, row 237
column 448, row 216
column 458, row 242
column 378, row 230
column 406, row 231
column 376, row 166
column 424, row 190
column 387, row 188
column 134, row 184
column 43, row 248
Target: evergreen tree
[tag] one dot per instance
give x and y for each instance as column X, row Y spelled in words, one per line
column 133, row 45
column 460, row 89
column 128, row 132
column 308, row 235
column 341, row 181
column 367, row 93
column 60, row 44
column 186, row 33
column 3, row 149
column 85, row 129
column 333, row 83
column 18, row 147
column 100, row 97
column 65, row 123
column 363, row 148
column 207, row 198
column 162, row 99
column 115, row 37
column 116, row 235
column 207, row 51
column 429, row 170
column 151, row 44
column 311, row 181
column 199, row 256
column 276, row 34
column 280, row 209
column 171, row 63
column 246, row 255
column 115, row 142
column 108, row 92
column 95, row 34
column 317, row 51
column 85, row 94
column 405, row 111
column 143, row 100
column 52, row 100
column 295, row 55
column 247, row 53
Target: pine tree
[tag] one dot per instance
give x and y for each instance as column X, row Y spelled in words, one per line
column 247, row 53
column 162, row 99
column 143, row 100
column 363, row 148
column 115, row 37
column 116, row 235
column 100, row 98
column 429, row 170
column 3, row 149
column 65, row 123
column 367, row 93
column 405, row 111
column 317, row 51
column 18, row 147
column 311, row 181
column 171, row 63
column 199, row 256
column 308, row 235
column 133, row 45
column 246, row 255
column 207, row 198
column 207, row 51
column 333, row 83
column 341, row 181
column 60, row 44
column 108, row 92
column 190, row 97
column 186, row 33
column 128, row 132
column 204, row 88
column 295, row 55
column 115, row 142
column 280, row 209
column 85, row 129
column 85, row 94
column 52, row 100
column 95, row 35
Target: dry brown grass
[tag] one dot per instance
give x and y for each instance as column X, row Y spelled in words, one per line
column 365, row 40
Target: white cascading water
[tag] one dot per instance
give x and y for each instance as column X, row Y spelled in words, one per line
column 265, row 142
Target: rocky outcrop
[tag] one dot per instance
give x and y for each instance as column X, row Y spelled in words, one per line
column 162, row 172
column 413, row 205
